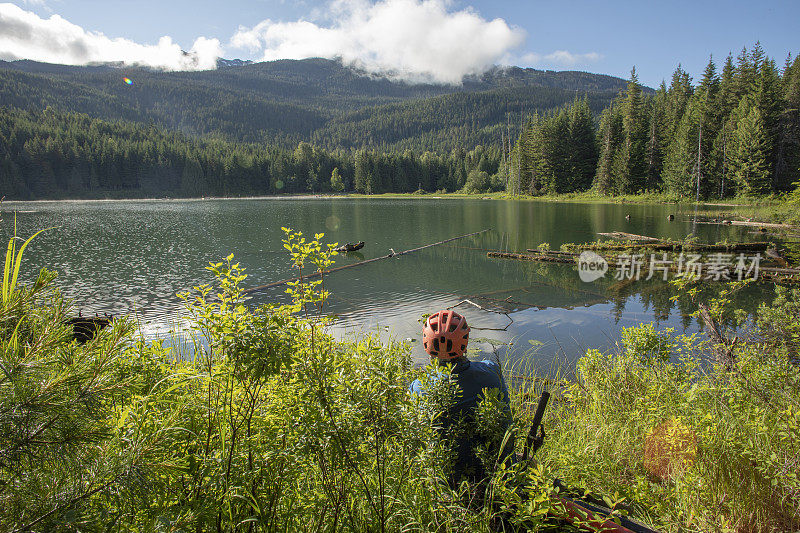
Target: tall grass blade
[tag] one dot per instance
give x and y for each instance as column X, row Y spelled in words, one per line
column 7, row 269
column 18, row 260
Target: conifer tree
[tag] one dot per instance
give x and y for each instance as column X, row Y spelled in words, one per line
column 583, row 146
column 633, row 168
column 361, row 172
column 745, row 75
column 709, row 124
column 769, row 99
column 337, row 185
column 558, row 151
column 610, row 139
column 788, row 156
column 750, row 167
column 537, row 170
column 680, row 90
column 680, row 165
column 655, row 137
column 727, row 100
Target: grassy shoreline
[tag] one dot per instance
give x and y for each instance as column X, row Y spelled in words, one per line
column 766, row 209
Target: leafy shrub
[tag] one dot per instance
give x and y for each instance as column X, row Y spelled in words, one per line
column 692, row 445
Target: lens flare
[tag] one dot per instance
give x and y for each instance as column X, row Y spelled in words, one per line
column 128, row 81
column 332, row 223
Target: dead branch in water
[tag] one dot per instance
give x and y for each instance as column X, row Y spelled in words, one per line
column 393, row 254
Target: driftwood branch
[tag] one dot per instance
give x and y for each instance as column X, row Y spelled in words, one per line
column 470, row 302
column 360, row 263
column 723, row 346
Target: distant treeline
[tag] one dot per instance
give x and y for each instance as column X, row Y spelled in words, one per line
column 734, row 133
column 48, row 154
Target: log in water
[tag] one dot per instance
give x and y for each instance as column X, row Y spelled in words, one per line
column 360, row 263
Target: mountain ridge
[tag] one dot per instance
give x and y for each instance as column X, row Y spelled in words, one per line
column 288, row 101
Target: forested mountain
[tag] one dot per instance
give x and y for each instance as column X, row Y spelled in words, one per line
column 444, row 123
column 315, row 126
column 286, row 102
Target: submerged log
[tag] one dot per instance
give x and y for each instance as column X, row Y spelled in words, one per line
column 552, row 252
column 622, row 236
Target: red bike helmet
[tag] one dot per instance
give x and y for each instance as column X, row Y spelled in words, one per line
column 445, row 335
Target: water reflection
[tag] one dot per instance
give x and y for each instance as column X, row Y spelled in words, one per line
column 133, row 256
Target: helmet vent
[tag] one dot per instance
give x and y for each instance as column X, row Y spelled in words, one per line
column 436, row 344
column 452, row 327
column 449, row 345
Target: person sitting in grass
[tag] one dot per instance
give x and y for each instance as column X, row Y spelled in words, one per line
column 445, row 336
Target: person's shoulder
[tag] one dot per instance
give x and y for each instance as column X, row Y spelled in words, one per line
column 486, row 364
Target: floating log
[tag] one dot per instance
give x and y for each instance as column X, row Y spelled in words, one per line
column 531, row 257
column 85, row 328
column 779, row 270
column 757, row 224
column 350, row 247
column 767, row 273
column 622, row 236
column 393, row 254
column 553, row 252
column 677, row 246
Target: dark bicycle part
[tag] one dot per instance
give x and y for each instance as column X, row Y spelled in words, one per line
column 580, row 509
column 536, row 434
column 577, row 509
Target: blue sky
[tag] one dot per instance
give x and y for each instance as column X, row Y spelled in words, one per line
column 596, row 36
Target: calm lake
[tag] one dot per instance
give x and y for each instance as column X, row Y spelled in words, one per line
column 131, row 257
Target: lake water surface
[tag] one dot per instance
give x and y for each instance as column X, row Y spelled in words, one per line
column 133, row 256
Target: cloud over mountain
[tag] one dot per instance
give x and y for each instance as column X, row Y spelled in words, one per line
column 561, row 58
column 24, row 35
column 414, row 40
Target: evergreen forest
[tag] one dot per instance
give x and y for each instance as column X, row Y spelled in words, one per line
column 317, row 126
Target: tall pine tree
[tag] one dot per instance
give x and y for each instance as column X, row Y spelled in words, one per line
column 750, row 167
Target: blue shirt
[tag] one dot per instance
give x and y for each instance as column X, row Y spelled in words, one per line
column 472, row 378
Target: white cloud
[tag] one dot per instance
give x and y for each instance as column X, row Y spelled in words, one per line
column 24, row 35
column 560, row 58
column 415, row 40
